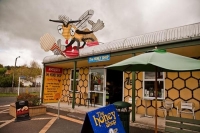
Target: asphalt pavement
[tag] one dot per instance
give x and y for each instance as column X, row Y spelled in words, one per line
column 46, row 123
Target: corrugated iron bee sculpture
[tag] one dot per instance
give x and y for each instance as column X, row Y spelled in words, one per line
column 75, row 32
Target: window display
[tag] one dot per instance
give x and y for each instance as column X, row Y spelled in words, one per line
column 149, row 83
column 96, row 85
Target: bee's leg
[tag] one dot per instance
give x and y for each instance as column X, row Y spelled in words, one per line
column 71, row 42
column 78, row 42
column 83, row 40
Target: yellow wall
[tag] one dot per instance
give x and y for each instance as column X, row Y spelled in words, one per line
column 82, row 86
column 180, row 86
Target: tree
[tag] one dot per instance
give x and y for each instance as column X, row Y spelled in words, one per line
column 30, row 72
column 2, row 71
column 6, row 81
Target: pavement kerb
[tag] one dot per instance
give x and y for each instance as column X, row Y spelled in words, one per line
column 142, row 125
column 134, row 124
column 67, row 109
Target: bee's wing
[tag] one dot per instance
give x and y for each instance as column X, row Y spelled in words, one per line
column 84, row 19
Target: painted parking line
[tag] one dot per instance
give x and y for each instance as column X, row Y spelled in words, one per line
column 7, row 122
column 66, row 118
column 42, row 118
column 48, row 125
column 3, row 111
column 2, row 106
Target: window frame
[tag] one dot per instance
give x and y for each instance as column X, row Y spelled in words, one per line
column 72, row 80
column 153, row 79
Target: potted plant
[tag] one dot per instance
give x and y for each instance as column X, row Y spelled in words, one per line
column 33, row 100
column 35, row 107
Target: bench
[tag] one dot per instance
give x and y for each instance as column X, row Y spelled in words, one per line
column 181, row 125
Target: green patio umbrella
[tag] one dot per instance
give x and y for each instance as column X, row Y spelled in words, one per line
column 157, row 60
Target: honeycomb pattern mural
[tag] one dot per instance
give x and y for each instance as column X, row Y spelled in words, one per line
column 82, row 86
column 180, row 86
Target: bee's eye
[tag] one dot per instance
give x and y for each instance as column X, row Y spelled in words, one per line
column 60, row 29
column 72, row 31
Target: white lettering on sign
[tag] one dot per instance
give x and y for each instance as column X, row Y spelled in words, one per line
column 54, row 69
column 99, row 58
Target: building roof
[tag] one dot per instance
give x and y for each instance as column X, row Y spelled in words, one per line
column 177, row 34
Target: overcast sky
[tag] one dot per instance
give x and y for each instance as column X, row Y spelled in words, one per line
column 23, row 22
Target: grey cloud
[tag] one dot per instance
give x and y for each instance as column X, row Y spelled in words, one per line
column 29, row 20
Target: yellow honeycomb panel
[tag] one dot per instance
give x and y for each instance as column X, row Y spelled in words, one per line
column 81, row 71
column 184, row 115
column 140, row 76
column 125, row 92
column 127, row 99
column 85, row 83
column 65, row 99
column 178, row 83
column 138, row 84
column 197, row 115
column 196, row 103
column 186, row 94
column 172, row 75
column 192, row 83
column 67, row 76
column 65, row 71
column 140, row 92
column 86, row 71
column 168, row 84
column 65, row 82
column 177, row 103
column 159, row 103
column 64, row 92
column 141, row 110
column 173, row 94
column 151, row 111
column 138, row 102
column 68, row 82
column 196, row 94
column 80, row 83
column 173, row 112
column 196, row 74
column 83, row 77
column 184, row 75
column 148, row 102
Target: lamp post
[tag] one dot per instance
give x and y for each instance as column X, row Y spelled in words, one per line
column 14, row 72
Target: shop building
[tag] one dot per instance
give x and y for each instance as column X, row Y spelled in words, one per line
column 91, row 79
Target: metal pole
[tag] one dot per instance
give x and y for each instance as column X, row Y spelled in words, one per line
column 14, row 71
column 133, row 95
column 18, row 86
column 156, row 89
column 43, row 83
column 74, row 83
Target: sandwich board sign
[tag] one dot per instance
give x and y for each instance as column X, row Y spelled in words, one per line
column 103, row 120
column 22, row 111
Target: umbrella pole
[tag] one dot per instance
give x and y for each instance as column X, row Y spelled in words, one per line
column 156, row 90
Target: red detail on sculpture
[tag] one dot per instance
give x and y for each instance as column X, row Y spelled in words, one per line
column 92, row 43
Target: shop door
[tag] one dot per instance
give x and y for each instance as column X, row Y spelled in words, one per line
column 97, row 85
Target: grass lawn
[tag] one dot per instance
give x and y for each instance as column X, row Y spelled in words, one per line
column 15, row 94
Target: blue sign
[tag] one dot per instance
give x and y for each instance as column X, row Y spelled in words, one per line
column 103, row 120
column 99, row 58
column 22, row 77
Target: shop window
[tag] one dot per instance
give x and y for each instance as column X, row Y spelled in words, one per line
column 72, row 80
column 148, row 85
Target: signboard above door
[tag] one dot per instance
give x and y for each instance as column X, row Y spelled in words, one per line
column 99, row 58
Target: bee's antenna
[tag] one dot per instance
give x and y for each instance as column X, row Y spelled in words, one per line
column 57, row 21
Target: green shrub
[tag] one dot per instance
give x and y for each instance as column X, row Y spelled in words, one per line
column 33, row 100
